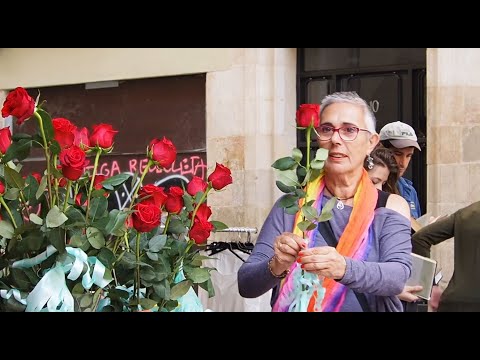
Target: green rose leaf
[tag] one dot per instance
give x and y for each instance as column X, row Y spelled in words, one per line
column 152, row 256
column 41, row 187
column 208, row 286
column 36, row 219
column 147, row 274
column 98, row 207
column 287, row 201
column 12, row 194
column 321, row 154
column 55, row 217
column 157, row 243
column 116, row 222
column 284, row 188
column 198, row 275
column 162, row 289
column 218, row 225
column 176, row 227
column 115, row 180
column 55, row 147
column 309, row 212
column 147, row 304
column 288, row 177
column 317, row 164
column 95, row 237
column 292, row 210
column 297, row 155
column 180, row 289
column 56, row 237
column 18, row 150
column 286, row 163
column 6, row 229
column 75, row 217
column 306, row 225
column 47, row 124
column 13, row 178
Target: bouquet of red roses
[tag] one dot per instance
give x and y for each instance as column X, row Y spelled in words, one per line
column 63, row 249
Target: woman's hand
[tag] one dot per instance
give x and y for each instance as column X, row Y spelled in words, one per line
column 408, row 293
column 286, row 247
column 323, row 261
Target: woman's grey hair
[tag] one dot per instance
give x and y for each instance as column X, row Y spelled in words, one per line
column 351, row 97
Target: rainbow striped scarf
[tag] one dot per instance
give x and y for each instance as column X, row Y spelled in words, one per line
column 355, row 242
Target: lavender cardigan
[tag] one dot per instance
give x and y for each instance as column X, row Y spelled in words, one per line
column 381, row 277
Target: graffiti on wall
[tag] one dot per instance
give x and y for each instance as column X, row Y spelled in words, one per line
column 179, row 174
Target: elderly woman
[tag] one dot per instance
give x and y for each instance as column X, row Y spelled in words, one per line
column 368, row 261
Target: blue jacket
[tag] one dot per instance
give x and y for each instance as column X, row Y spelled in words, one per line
column 408, row 192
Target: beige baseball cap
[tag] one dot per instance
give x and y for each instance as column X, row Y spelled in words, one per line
column 400, row 135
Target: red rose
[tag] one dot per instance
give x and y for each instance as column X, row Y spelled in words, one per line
column 163, row 152
column 64, row 132
column 73, row 162
column 203, row 212
column 81, row 138
column 62, row 182
column 200, row 231
column 102, row 136
column 19, row 104
column 36, row 175
column 2, row 188
column 196, row 185
column 174, row 201
column 155, row 194
column 5, row 139
column 146, row 217
column 220, row 177
column 308, row 114
column 78, row 200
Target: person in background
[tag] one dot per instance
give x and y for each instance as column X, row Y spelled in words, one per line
column 383, row 169
column 463, row 290
column 401, row 138
column 366, row 260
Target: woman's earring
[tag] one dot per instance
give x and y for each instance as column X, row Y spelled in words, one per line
column 369, row 162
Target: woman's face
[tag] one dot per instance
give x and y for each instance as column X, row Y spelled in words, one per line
column 379, row 175
column 346, row 156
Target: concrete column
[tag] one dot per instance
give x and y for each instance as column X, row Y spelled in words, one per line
column 453, row 130
column 250, row 123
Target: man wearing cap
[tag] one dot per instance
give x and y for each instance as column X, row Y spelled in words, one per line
column 401, row 138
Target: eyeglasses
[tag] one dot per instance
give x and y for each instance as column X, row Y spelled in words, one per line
column 346, row 133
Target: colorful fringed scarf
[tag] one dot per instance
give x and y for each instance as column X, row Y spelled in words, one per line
column 355, row 242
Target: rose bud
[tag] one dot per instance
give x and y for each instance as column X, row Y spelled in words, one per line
column 5, row 139
column 308, row 115
column 200, row 231
column 73, row 162
column 162, row 152
column 64, row 132
column 152, row 194
column 2, row 188
column 174, row 201
column 196, row 185
column 81, row 138
column 220, row 177
column 19, row 104
column 102, row 136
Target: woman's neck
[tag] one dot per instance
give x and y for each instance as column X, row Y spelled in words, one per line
column 342, row 187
